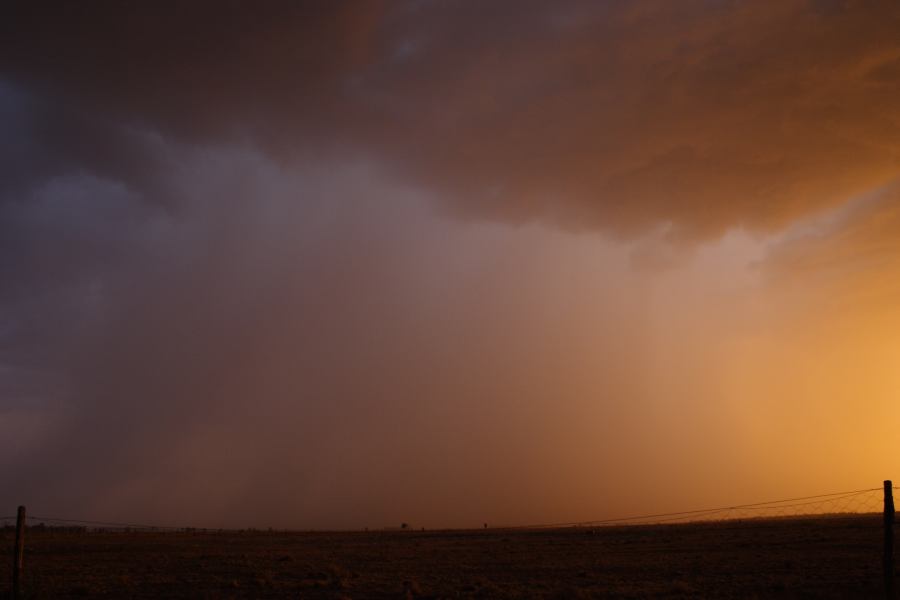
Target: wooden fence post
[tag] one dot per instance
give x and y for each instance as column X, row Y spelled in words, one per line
column 889, row 540
column 18, row 554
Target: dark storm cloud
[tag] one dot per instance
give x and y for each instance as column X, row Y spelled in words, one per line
column 74, row 188
column 619, row 116
column 44, row 139
column 222, row 287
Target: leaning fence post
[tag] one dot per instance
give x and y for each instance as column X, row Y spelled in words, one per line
column 18, row 554
column 889, row 540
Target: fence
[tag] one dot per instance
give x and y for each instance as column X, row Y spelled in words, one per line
column 870, row 501
column 864, row 501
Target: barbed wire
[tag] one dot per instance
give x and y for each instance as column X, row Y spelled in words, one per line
column 99, row 524
column 105, row 523
column 781, row 507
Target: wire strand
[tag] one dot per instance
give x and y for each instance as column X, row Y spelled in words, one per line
column 703, row 511
column 104, row 523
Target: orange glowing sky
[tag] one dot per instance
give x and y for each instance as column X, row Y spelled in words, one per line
column 316, row 264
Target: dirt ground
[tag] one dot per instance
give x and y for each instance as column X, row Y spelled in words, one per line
column 837, row 557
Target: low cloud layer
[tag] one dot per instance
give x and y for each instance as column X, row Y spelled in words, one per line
column 616, row 116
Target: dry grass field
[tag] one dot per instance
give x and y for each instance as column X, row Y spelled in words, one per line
column 836, row 557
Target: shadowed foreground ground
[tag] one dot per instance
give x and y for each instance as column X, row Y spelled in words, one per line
column 838, row 557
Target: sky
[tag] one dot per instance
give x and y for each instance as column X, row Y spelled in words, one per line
column 351, row 264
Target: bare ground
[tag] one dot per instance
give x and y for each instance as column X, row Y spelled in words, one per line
column 836, row 557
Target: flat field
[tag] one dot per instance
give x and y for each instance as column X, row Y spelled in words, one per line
column 832, row 557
